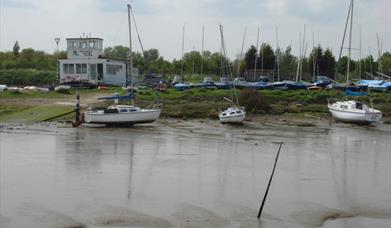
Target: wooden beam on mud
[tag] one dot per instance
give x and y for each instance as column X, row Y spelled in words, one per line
column 58, row 116
column 270, row 181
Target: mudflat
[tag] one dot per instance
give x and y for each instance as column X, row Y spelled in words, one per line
column 195, row 173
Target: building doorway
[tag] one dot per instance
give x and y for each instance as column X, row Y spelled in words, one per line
column 100, row 72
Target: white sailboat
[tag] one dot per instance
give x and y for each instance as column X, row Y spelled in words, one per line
column 235, row 113
column 122, row 114
column 353, row 111
column 232, row 115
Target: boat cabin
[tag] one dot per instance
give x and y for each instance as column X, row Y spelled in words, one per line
column 121, row 109
column 352, row 105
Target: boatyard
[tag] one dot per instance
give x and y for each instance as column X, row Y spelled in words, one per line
column 194, row 114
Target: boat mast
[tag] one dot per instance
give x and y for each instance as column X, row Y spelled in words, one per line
column 146, row 65
column 313, row 57
column 130, row 49
column 241, row 52
column 305, row 53
column 343, row 40
column 359, row 63
column 304, row 47
column 229, row 72
column 299, row 60
column 262, row 47
column 379, row 50
column 183, row 47
column 350, row 43
column 202, row 51
column 277, row 56
column 256, row 55
column 370, row 61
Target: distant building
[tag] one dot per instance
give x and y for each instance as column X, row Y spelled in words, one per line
column 85, row 64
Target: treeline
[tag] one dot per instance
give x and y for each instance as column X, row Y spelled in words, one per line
column 28, row 67
column 318, row 62
column 16, row 65
column 151, row 62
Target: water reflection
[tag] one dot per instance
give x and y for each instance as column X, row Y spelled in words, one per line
column 172, row 173
column 131, row 156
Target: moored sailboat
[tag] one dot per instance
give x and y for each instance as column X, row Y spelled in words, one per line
column 235, row 113
column 353, row 111
column 121, row 114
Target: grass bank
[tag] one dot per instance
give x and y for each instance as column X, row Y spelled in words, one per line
column 203, row 103
column 195, row 103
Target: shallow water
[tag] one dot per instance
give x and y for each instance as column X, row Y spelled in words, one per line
column 195, row 174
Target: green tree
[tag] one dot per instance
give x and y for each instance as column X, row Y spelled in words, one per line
column 327, row 64
column 206, row 58
column 16, row 49
column 160, row 66
column 176, row 66
column 249, row 58
column 138, row 61
column 386, row 63
column 151, row 54
column 217, row 64
column 26, row 58
column 316, row 61
column 116, row 52
column 343, row 65
column 368, row 64
column 7, row 60
column 269, row 59
column 192, row 62
column 288, row 64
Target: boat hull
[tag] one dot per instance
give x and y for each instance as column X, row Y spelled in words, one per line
column 143, row 116
column 355, row 117
column 232, row 119
column 378, row 88
column 232, row 115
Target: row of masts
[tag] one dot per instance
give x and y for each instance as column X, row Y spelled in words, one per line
column 303, row 44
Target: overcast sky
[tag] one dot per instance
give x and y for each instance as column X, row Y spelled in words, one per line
column 35, row 23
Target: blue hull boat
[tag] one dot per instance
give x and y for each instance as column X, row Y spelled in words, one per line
column 348, row 92
column 296, row 85
column 181, row 86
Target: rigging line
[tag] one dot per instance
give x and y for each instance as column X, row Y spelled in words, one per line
column 118, row 29
column 138, row 34
column 241, row 52
column 256, row 55
column 344, row 36
column 202, row 50
column 228, row 65
column 183, row 47
column 139, row 40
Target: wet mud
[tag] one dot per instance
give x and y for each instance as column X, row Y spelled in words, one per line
column 198, row 173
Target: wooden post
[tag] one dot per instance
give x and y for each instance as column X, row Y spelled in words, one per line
column 270, row 181
column 78, row 121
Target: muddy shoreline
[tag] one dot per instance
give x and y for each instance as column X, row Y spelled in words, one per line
column 195, row 173
column 186, row 172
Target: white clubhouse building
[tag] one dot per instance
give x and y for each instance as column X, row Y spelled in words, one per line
column 85, row 64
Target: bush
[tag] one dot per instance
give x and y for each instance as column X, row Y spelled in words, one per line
column 253, row 100
column 20, row 77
